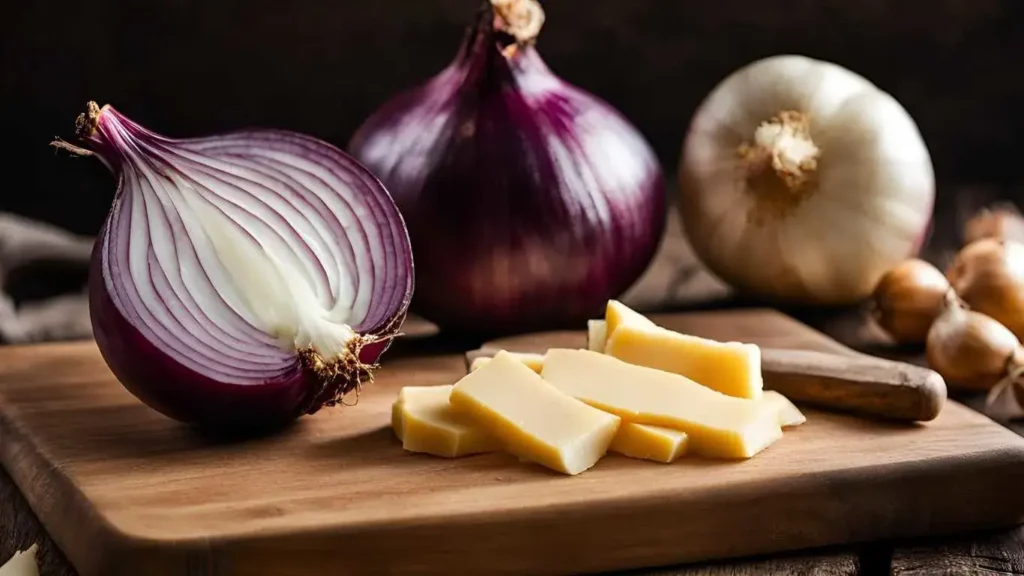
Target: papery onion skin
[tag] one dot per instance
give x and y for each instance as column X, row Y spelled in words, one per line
column 971, row 350
column 865, row 205
column 281, row 384
column 908, row 299
column 529, row 202
column 988, row 274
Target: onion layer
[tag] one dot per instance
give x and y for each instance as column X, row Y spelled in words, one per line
column 242, row 279
column 529, row 202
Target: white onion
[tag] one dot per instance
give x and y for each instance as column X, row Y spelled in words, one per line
column 803, row 181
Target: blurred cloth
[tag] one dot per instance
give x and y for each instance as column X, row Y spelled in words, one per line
column 43, row 274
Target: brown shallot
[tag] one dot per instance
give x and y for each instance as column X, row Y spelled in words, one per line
column 989, row 276
column 908, row 299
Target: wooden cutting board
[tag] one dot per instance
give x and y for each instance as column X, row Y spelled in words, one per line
column 125, row 491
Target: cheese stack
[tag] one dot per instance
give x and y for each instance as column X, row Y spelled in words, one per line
column 639, row 390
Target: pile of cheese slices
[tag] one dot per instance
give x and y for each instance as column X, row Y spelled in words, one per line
column 638, row 389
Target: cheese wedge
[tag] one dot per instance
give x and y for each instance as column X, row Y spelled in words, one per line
column 731, row 368
column 532, row 361
column 618, row 314
column 426, row 423
column 532, row 418
column 717, row 425
column 789, row 414
column 649, row 442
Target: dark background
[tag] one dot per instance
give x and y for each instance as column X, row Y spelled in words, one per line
column 190, row 67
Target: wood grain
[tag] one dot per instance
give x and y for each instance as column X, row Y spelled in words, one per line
column 799, row 565
column 994, row 553
column 125, row 491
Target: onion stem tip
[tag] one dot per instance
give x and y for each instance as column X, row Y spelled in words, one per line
column 521, row 19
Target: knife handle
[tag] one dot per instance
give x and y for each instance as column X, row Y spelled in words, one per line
column 857, row 383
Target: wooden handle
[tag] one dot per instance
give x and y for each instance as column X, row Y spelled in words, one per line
column 862, row 384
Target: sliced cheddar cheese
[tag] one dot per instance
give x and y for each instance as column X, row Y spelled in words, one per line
column 532, row 361
column 789, row 414
column 731, row 368
column 397, row 424
column 618, row 314
column 425, row 422
column 649, row 442
column 718, row 425
column 532, row 418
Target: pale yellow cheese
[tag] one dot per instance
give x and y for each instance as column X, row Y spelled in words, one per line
column 532, row 418
column 649, row 442
column 425, row 422
column 397, row 425
column 789, row 415
column 618, row 314
column 532, row 361
column 597, row 333
column 732, row 368
column 718, row 425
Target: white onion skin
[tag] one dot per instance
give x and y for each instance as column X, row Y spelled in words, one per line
column 872, row 211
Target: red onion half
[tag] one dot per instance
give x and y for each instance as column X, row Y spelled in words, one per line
column 529, row 202
column 241, row 279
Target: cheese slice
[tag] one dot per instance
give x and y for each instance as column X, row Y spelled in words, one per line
column 649, row 442
column 425, row 422
column 732, row 368
column 718, row 425
column 532, row 418
column 618, row 314
column 397, row 424
column 532, row 361
column 597, row 333
column 789, row 414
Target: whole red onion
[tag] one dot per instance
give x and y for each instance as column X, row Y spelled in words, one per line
column 244, row 279
column 529, row 202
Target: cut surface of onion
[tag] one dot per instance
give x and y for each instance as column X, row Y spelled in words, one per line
column 242, row 278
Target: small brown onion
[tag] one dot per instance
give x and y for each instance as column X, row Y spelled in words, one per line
column 969, row 349
column 908, row 299
column 989, row 276
column 1001, row 221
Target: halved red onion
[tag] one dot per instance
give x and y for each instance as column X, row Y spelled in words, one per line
column 245, row 278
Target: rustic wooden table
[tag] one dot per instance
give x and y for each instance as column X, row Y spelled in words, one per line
column 675, row 282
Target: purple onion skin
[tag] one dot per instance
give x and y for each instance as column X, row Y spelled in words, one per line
column 180, row 393
column 508, row 236
column 165, row 384
column 176, row 391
